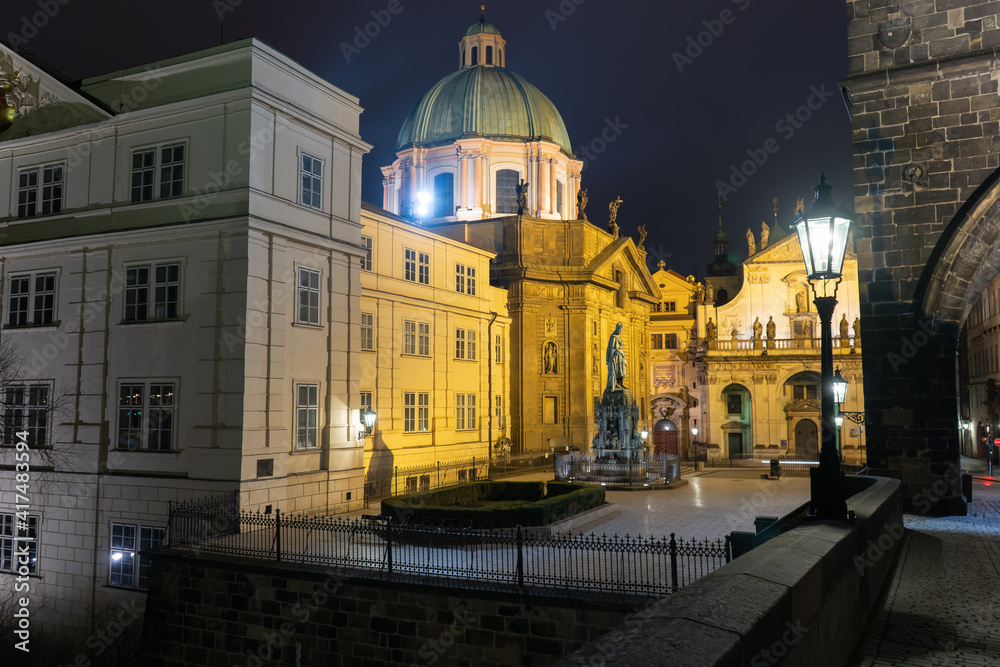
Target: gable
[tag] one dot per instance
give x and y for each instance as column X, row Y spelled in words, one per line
column 623, row 253
column 34, row 102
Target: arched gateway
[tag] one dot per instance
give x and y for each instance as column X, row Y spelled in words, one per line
column 928, row 229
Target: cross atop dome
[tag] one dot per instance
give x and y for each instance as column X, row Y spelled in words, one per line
column 482, row 45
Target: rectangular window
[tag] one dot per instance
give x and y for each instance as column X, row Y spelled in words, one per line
column 143, row 172
column 367, row 331
column 18, row 533
column 459, row 412
column 670, row 306
column 306, row 416
column 657, row 342
column 409, row 337
column 146, row 416
column 26, row 408
column 424, row 269
column 423, row 411
column 128, row 568
column 424, row 339
column 734, row 404
column 460, row 343
column 48, row 189
column 410, row 265
column 162, row 282
column 465, row 279
column 32, row 300
column 670, row 341
column 498, row 349
column 498, row 411
column 465, row 344
column 409, row 412
column 366, row 261
column 470, row 411
column 308, row 296
column 311, row 179
column 27, row 193
column 171, row 171
column 559, row 198
column 366, row 400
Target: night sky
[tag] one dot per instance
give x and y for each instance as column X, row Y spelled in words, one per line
column 679, row 132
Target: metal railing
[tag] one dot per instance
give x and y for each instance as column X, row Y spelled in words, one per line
column 514, row 559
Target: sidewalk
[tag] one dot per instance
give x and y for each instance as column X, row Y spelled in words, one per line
column 942, row 606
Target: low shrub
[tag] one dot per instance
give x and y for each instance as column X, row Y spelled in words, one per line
column 538, row 509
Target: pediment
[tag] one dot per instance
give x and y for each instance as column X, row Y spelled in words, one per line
column 803, row 405
column 622, row 251
column 34, row 102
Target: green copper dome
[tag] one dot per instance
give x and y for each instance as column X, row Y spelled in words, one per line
column 482, row 26
column 482, row 101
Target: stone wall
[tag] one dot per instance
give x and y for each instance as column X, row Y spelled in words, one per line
column 802, row 598
column 203, row 612
column 925, row 111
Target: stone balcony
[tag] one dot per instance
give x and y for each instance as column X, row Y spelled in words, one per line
column 780, row 346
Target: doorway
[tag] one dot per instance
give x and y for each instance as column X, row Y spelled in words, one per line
column 806, row 440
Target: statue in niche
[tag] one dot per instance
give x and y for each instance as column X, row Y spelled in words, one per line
column 800, row 302
column 758, row 329
column 595, row 354
column 522, row 197
column 857, row 328
column 771, row 327
column 581, row 204
column 550, row 357
column 751, row 245
column 711, row 330
column 765, row 231
column 614, row 357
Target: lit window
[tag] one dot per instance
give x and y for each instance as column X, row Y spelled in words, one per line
column 308, row 297
column 416, row 411
column 146, row 416
column 311, row 179
column 32, row 300
column 306, row 416
column 18, row 532
column 128, row 568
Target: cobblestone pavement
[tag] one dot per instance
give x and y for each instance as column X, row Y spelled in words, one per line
column 942, row 606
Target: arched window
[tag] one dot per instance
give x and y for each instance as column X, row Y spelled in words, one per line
column 506, row 191
column 475, row 55
column 444, row 195
column 489, row 55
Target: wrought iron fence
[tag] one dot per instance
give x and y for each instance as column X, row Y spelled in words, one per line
column 512, row 559
column 649, row 470
column 196, row 521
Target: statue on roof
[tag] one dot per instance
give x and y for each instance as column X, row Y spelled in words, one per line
column 765, row 231
column 613, row 216
column 751, row 246
column 642, row 236
column 581, row 204
column 800, row 207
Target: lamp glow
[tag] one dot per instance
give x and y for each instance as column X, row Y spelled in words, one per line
column 839, row 388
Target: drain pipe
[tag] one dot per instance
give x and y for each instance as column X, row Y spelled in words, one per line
column 489, row 399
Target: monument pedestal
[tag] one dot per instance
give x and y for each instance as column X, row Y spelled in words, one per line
column 616, row 416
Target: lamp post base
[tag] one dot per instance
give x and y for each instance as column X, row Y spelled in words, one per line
column 826, row 484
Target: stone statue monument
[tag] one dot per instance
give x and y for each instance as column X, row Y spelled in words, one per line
column 771, row 328
column 614, row 357
column 765, row 231
column 711, row 330
column 857, row 330
column 613, row 216
column 758, row 329
column 642, row 237
column 751, row 246
column 581, row 204
column 522, row 197
column 844, row 341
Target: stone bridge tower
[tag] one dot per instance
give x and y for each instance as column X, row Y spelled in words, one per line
column 922, row 90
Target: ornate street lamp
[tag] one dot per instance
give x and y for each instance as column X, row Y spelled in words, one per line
column 368, row 417
column 823, row 231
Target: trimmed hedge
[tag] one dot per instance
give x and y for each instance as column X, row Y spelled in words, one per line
column 564, row 499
